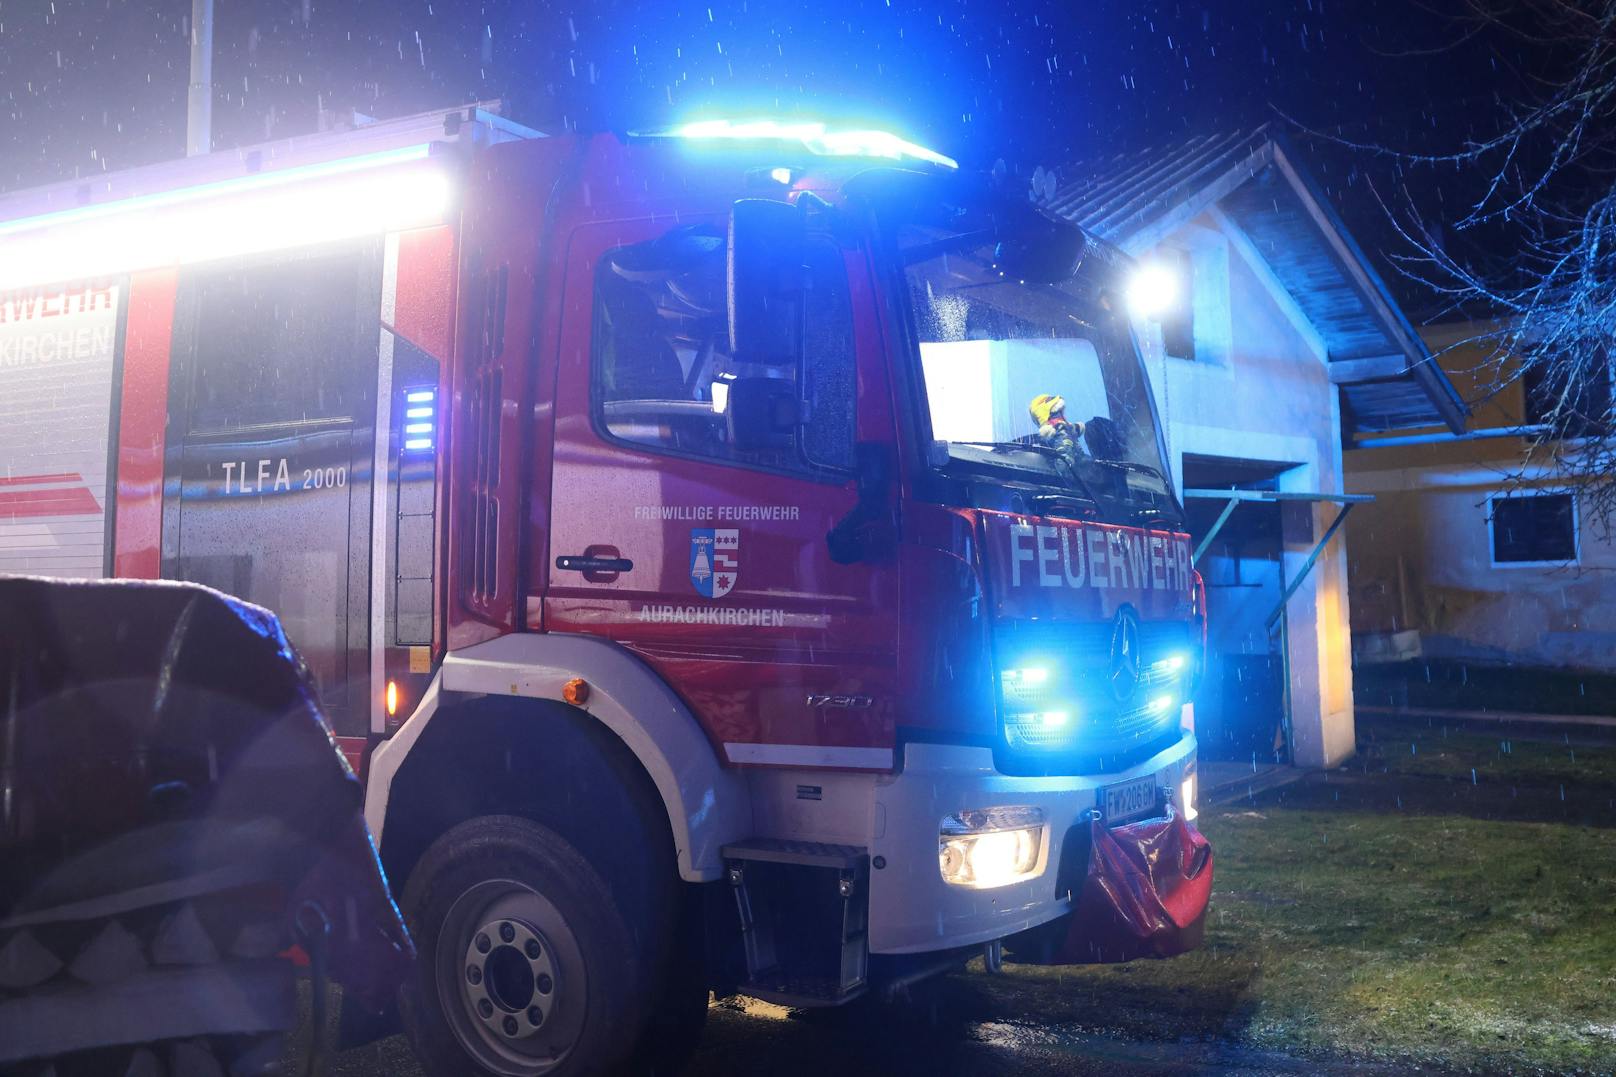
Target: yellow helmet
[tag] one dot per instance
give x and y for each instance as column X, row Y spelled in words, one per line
column 1044, row 405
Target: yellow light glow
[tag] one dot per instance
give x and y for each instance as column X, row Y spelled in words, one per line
column 392, row 698
column 992, row 859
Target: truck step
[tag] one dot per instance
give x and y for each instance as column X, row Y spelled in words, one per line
column 808, row 854
column 802, row 908
column 802, row 992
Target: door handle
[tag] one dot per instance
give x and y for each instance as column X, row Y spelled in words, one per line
column 599, row 564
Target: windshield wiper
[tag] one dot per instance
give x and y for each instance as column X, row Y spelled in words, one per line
column 1129, row 465
column 1077, row 480
column 923, row 252
column 1012, row 446
column 1147, row 513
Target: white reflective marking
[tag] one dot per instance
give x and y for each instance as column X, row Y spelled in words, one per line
column 810, row 755
column 379, row 469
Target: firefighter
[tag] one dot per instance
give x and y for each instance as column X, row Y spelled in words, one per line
column 1054, row 428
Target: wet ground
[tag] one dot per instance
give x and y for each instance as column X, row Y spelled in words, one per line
column 748, row 1037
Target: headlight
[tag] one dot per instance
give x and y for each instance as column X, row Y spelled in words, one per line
column 992, row 847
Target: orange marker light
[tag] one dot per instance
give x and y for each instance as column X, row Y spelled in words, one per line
column 392, row 698
column 576, row 691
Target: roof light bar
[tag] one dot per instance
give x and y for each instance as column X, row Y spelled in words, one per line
column 332, row 200
column 816, row 138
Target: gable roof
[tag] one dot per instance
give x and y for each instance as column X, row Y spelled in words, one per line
column 1387, row 377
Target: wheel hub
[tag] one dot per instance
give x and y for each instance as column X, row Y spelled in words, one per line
column 510, row 980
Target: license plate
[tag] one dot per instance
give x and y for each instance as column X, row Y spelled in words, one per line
column 1126, row 801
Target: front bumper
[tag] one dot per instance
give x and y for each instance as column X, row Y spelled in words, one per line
column 912, row 910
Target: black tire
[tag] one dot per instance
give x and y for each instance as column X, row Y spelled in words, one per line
column 492, row 893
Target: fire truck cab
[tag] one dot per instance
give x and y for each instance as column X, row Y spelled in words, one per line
column 664, row 521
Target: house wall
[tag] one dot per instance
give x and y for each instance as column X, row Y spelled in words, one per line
column 1261, row 391
column 1421, row 552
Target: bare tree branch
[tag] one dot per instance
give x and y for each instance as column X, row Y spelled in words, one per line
column 1548, row 186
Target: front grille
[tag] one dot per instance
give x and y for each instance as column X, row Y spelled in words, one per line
column 1070, row 716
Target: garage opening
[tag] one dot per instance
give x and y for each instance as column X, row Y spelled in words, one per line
column 1240, row 708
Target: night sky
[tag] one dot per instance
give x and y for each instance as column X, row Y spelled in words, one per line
column 100, row 84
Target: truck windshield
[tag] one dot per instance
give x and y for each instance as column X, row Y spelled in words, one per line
column 1037, row 380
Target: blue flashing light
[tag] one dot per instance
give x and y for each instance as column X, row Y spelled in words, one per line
column 418, row 435
column 817, row 139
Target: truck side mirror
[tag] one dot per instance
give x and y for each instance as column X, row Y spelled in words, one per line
column 765, row 280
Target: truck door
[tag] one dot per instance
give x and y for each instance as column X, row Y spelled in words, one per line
column 267, row 485
column 699, row 544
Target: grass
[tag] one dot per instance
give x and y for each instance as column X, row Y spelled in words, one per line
column 1430, row 938
column 1430, row 748
column 1446, row 683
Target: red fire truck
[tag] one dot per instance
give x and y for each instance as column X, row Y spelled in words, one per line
column 663, row 521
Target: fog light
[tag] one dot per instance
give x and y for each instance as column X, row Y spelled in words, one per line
column 994, row 847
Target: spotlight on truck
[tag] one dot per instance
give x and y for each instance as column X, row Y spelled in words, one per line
column 1153, row 291
column 258, row 213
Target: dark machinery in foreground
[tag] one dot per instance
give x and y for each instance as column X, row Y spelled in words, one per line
column 176, row 826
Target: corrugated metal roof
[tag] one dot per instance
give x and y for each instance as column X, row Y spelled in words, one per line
column 1253, row 177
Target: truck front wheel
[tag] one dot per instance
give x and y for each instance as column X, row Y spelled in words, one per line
column 526, row 964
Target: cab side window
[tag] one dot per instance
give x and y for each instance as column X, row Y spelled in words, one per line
column 665, row 378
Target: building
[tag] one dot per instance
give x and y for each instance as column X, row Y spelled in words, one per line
column 1290, row 343
column 1475, row 549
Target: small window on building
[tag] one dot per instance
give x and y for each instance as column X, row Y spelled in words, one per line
column 1178, row 323
column 665, row 377
column 1534, row 529
column 1575, row 402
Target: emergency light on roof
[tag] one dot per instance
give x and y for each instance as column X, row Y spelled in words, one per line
column 266, row 211
column 816, row 138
